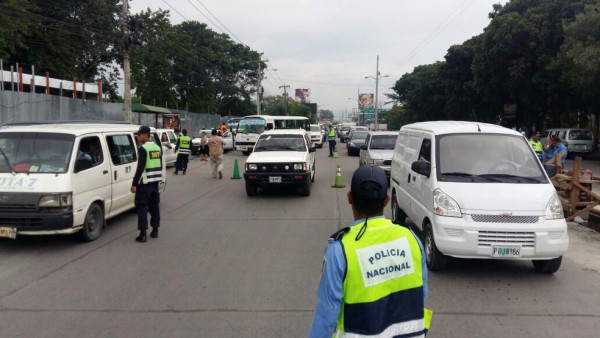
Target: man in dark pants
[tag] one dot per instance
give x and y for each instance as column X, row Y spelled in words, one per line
column 184, row 144
column 331, row 136
column 145, row 183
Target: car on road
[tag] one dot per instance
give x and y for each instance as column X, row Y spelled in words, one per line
column 346, row 130
column 281, row 157
column 355, row 141
column 227, row 140
column 580, row 142
column 316, row 135
column 378, row 150
column 477, row 190
column 168, row 141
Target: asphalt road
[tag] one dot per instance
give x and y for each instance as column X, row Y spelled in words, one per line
column 226, row 265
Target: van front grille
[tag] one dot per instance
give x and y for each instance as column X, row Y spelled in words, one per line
column 504, row 219
column 489, row 238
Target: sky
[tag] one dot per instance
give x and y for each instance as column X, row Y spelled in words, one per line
column 330, row 46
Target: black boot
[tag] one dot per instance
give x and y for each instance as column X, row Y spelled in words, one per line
column 142, row 237
column 154, row 232
column 184, row 171
column 176, row 172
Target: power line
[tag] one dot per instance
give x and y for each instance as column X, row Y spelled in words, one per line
column 227, row 29
column 176, row 11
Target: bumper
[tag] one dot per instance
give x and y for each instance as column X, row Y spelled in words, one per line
column 243, row 146
column 465, row 238
column 39, row 223
column 264, row 179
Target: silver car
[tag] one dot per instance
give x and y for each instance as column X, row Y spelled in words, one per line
column 378, row 149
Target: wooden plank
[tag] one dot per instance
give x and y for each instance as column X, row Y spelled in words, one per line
column 580, row 212
column 574, row 196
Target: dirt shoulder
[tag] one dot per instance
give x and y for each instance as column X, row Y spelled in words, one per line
column 584, row 246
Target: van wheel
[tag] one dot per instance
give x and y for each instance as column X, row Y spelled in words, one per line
column 251, row 189
column 93, row 223
column 305, row 189
column 398, row 215
column 433, row 257
column 548, row 266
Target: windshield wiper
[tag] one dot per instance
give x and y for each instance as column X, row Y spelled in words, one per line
column 472, row 176
column 7, row 161
column 515, row 177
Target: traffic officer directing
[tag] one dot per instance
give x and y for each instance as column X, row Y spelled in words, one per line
column 331, row 136
column 374, row 279
column 147, row 177
column 184, row 144
column 535, row 143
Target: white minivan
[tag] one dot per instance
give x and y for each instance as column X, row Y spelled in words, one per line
column 66, row 178
column 476, row 190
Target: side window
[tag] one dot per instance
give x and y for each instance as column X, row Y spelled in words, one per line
column 172, row 137
column 562, row 135
column 90, row 150
column 122, row 149
column 425, row 153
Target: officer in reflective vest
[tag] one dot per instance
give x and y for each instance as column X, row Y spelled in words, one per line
column 535, row 143
column 184, row 144
column 374, row 279
column 145, row 184
column 331, row 136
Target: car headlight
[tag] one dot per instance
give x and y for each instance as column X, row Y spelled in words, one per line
column 554, row 208
column 299, row 166
column 352, row 144
column 251, row 166
column 57, row 202
column 376, row 162
column 444, row 205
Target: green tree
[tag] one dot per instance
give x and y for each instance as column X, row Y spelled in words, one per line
column 326, row 114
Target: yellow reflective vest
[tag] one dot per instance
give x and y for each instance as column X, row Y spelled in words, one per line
column 536, row 145
column 153, row 170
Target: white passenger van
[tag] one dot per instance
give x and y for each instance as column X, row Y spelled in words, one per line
column 65, row 178
column 250, row 127
column 476, row 191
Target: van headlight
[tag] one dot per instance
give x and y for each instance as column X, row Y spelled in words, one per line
column 444, row 205
column 251, row 166
column 62, row 201
column 299, row 166
column 554, row 208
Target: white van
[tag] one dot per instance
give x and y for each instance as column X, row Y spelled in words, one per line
column 578, row 141
column 65, row 178
column 476, row 191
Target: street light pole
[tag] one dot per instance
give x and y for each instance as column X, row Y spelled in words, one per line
column 376, row 92
column 258, row 83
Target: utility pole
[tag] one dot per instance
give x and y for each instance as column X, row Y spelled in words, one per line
column 285, row 97
column 258, row 83
column 126, row 66
column 377, row 73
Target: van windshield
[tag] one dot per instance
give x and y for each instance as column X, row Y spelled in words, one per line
column 580, row 134
column 35, row 152
column 487, row 158
column 251, row 126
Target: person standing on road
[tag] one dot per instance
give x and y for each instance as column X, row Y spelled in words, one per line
column 374, row 279
column 145, row 183
column 535, row 143
column 184, row 144
column 223, row 128
column 203, row 147
column 215, row 147
column 331, row 136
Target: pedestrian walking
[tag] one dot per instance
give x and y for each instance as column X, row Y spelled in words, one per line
column 374, row 279
column 183, row 149
column 215, row 148
column 203, row 147
column 145, row 184
column 331, row 136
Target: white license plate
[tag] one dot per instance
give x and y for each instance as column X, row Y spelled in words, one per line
column 274, row 179
column 579, row 146
column 8, row 232
column 506, row 251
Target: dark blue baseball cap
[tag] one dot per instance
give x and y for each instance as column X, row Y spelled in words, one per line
column 369, row 173
column 143, row 130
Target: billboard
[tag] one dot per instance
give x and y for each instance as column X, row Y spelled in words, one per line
column 302, row 95
column 366, row 101
column 171, row 121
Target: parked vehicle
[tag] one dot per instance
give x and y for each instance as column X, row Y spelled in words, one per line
column 346, row 130
column 578, row 141
column 316, row 135
column 355, row 141
column 379, row 149
column 227, row 140
column 250, row 127
column 281, row 157
column 476, row 190
column 66, row 178
column 168, row 141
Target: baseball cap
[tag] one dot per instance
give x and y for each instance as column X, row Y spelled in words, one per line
column 143, row 130
column 369, row 173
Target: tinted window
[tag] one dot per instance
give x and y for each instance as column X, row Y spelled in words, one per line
column 383, row 141
column 425, row 152
column 122, row 149
column 90, row 150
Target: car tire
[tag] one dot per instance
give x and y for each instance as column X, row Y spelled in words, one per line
column 305, row 189
column 398, row 215
column 93, row 223
column 251, row 189
column 246, row 153
column 434, row 259
column 547, row 266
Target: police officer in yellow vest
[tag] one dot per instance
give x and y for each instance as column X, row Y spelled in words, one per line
column 331, row 136
column 374, row 279
column 184, row 144
column 145, row 183
column 535, row 143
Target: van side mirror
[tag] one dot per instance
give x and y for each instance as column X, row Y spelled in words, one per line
column 421, row 168
column 312, row 149
column 82, row 164
column 363, row 147
column 550, row 169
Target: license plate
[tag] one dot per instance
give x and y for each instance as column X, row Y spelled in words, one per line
column 274, row 179
column 8, row 232
column 579, row 146
column 506, row 251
